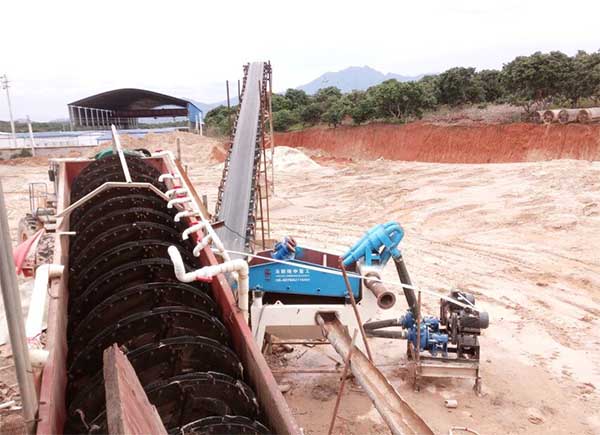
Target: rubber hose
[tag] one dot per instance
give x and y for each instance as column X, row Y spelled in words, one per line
column 383, row 323
column 409, row 294
column 402, row 334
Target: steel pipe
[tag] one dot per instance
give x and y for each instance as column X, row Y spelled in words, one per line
column 398, row 415
column 385, row 298
column 14, row 319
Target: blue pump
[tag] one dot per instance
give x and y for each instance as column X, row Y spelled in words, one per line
column 431, row 339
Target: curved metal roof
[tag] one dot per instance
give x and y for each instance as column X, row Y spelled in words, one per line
column 130, row 99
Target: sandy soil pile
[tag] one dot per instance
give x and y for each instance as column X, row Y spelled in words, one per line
column 291, row 159
column 522, row 237
column 422, row 142
column 194, row 148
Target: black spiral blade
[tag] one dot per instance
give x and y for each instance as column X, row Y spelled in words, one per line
column 126, row 275
column 99, row 209
column 114, row 257
column 107, row 195
column 124, row 234
column 117, row 218
column 141, row 329
column 144, row 297
column 154, row 362
column 227, row 424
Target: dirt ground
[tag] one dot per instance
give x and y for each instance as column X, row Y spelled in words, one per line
column 439, row 143
column 523, row 237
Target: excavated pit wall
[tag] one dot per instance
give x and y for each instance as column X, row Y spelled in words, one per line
column 482, row 143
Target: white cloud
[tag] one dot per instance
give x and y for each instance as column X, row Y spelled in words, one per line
column 59, row 51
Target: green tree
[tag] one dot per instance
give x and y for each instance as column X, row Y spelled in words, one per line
column 360, row 106
column 218, row 119
column 491, row 82
column 429, row 85
column 335, row 113
column 327, row 94
column 584, row 77
column 297, row 98
column 537, row 79
column 280, row 102
column 458, row 86
column 284, row 119
column 399, row 100
column 311, row 114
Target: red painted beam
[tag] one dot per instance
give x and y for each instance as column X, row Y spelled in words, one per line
column 149, row 113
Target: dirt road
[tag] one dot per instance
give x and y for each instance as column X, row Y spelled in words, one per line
column 523, row 237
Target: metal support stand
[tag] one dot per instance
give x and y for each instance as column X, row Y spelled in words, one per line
column 355, row 308
column 341, row 391
column 422, row 366
column 16, row 324
column 418, row 349
column 395, row 411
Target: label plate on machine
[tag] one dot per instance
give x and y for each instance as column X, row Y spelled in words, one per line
column 296, row 279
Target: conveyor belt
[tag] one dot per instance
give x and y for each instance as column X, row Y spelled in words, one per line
column 237, row 200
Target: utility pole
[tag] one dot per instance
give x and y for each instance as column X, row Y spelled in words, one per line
column 31, row 136
column 4, row 82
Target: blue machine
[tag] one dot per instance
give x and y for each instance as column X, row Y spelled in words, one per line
column 431, row 338
column 303, row 274
column 285, row 250
column 377, row 246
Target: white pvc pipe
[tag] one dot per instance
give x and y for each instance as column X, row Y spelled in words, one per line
column 177, row 191
column 164, row 177
column 201, row 245
column 186, row 213
column 238, row 265
column 176, row 174
column 38, row 357
column 192, row 229
column 37, row 304
column 214, row 238
column 183, row 200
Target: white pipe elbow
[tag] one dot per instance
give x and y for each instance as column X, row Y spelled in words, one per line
column 179, row 267
column 176, row 191
column 238, row 265
column 182, row 200
column 37, row 305
column 186, row 213
column 164, row 177
column 201, row 245
column 192, row 229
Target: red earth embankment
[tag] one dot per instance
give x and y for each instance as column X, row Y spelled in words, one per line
column 484, row 143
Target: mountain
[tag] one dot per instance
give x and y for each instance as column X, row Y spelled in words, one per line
column 354, row 77
column 349, row 79
column 205, row 107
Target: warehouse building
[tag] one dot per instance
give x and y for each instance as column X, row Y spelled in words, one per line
column 124, row 108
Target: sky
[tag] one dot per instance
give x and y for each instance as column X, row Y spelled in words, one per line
column 55, row 52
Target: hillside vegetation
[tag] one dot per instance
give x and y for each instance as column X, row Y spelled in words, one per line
column 533, row 82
